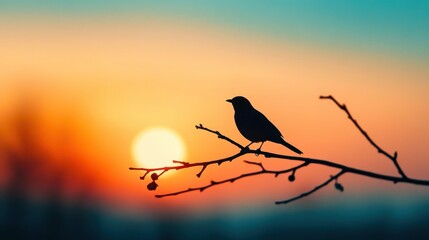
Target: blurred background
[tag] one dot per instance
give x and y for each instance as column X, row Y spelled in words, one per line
column 80, row 80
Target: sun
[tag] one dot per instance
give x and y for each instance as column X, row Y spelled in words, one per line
column 157, row 147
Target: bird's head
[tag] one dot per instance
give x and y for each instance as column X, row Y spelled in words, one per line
column 240, row 103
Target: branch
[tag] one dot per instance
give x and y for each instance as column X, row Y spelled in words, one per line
column 219, row 135
column 393, row 158
column 184, row 165
column 336, row 176
column 231, row 180
column 305, row 162
column 314, row 161
column 198, row 164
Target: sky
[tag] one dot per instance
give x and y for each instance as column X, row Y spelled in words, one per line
column 394, row 25
column 80, row 80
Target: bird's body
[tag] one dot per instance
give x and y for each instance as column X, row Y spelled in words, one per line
column 254, row 126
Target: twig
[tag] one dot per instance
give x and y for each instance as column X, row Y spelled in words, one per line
column 231, row 180
column 394, row 179
column 306, row 161
column 336, row 176
column 393, row 158
column 197, row 164
column 189, row 165
column 219, row 135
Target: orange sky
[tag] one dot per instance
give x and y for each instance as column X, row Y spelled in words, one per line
column 107, row 82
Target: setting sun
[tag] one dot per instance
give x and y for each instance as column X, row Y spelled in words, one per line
column 157, row 147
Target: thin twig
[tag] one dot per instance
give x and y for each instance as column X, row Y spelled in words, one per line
column 393, row 158
column 185, row 165
column 306, row 161
column 219, row 135
column 231, row 180
column 314, row 189
column 357, row 171
column 203, row 165
column 394, row 179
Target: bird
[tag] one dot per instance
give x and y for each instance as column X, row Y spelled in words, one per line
column 254, row 126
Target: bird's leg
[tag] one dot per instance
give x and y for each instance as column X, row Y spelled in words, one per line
column 246, row 148
column 248, row 145
column 259, row 149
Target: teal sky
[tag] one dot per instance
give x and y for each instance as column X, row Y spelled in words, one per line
column 395, row 26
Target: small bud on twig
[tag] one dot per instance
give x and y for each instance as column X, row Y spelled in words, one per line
column 154, row 176
column 339, row 187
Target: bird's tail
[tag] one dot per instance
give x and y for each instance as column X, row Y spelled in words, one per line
column 286, row 144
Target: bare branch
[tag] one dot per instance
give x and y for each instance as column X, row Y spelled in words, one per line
column 327, row 163
column 219, row 135
column 203, row 165
column 305, row 162
column 393, row 158
column 185, row 165
column 231, row 180
column 314, row 189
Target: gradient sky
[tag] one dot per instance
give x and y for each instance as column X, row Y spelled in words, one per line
column 395, row 25
column 105, row 70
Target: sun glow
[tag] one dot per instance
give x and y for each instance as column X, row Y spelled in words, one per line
column 157, row 147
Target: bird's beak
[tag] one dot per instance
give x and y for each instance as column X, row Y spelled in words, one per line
column 229, row 100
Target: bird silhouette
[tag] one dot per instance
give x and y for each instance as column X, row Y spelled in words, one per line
column 254, row 126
